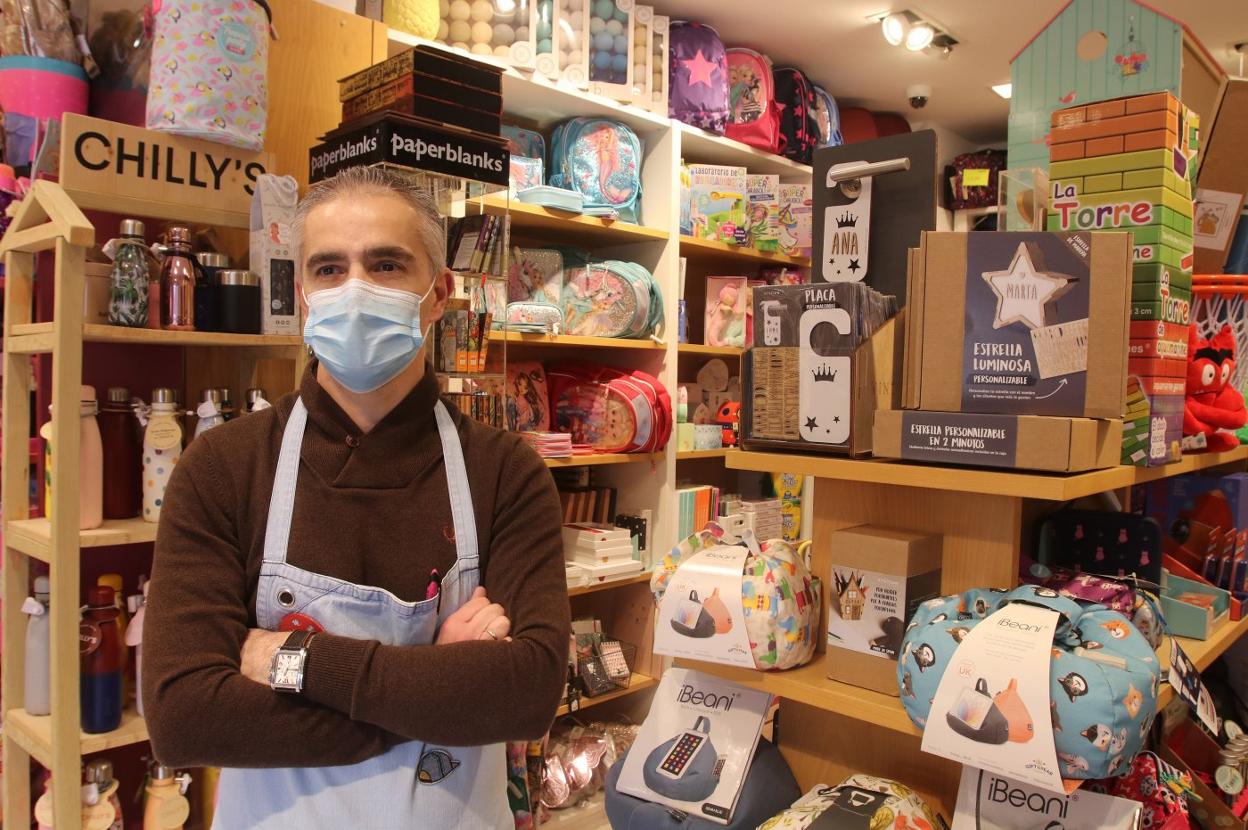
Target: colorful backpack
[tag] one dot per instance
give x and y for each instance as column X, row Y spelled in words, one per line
column 828, row 118
column 209, row 71
column 698, row 68
column 528, row 400
column 1101, row 708
column 795, row 97
column 535, row 275
column 860, row 801
column 779, row 596
column 601, row 160
column 522, row 142
column 610, row 410
column 610, row 299
column 753, row 117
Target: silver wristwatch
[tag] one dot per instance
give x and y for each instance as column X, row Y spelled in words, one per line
column 289, row 662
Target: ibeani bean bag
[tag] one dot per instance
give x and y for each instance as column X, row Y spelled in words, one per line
column 1104, row 678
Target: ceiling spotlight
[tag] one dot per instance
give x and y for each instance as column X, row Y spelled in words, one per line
column 919, row 37
column 1004, row 90
column 894, row 27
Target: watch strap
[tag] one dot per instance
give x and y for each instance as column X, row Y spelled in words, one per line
column 298, row 639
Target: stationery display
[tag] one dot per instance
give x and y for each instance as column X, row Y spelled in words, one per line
column 481, row 406
column 693, row 751
column 602, row 551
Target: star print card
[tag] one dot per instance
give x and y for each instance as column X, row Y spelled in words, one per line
column 1023, row 323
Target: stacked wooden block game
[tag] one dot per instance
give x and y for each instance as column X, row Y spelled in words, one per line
column 1128, row 164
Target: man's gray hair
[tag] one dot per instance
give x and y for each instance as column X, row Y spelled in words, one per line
column 363, row 180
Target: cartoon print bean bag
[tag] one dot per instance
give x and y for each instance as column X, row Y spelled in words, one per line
column 860, row 801
column 1104, row 676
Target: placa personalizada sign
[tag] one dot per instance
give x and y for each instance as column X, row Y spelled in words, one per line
column 107, row 159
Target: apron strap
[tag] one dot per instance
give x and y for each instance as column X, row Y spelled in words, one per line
column 282, row 502
column 457, row 486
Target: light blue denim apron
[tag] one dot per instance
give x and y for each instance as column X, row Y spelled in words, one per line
column 414, row 785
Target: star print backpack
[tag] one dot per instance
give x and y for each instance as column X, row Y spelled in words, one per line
column 1104, row 678
column 600, row 159
column 795, row 97
column 699, row 76
column 209, row 72
column 753, row 117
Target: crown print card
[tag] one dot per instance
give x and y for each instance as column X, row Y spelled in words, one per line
column 847, row 229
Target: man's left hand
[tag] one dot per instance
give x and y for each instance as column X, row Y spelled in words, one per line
column 258, row 653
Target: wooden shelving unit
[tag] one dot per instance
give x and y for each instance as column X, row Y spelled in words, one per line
column 694, row 455
column 606, row 458
column 570, row 341
column 693, row 248
column 727, row 352
column 529, row 220
column 595, row 587
column 49, row 220
column 637, row 683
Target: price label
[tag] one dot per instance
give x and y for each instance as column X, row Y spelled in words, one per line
column 975, row 178
column 163, row 434
column 89, row 638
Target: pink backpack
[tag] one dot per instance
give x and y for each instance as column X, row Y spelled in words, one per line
column 612, row 411
column 753, row 117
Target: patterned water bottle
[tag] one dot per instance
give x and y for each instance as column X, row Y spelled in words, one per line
column 162, row 447
column 127, row 282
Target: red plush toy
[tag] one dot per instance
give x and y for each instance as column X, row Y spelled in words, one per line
column 1213, row 407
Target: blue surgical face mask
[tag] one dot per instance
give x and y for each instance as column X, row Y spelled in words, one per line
column 364, row 334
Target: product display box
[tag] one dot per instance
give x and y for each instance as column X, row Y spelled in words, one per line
column 1152, row 426
column 1023, row 442
column 825, row 357
column 879, row 577
column 404, row 141
column 423, row 60
column 1026, row 323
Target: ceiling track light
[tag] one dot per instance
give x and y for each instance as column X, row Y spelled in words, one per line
column 906, row 28
column 919, row 37
column 894, row 27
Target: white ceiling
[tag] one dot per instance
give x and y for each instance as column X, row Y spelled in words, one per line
column 836, row 44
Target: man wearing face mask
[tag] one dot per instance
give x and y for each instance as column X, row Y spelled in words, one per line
column 358, row 594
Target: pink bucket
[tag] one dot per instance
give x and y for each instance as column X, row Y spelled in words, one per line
column 42, row 87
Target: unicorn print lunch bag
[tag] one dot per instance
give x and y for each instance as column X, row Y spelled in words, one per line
column 209, row 77
column 1104, row 678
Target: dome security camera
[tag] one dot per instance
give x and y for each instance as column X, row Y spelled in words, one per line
column 919, row 95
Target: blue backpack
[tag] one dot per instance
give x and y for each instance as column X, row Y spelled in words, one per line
column 828, row 116
column 601, row 160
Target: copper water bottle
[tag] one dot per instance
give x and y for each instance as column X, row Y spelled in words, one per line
column 177, row 282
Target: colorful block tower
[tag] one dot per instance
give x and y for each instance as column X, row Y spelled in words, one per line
column 1128, row 165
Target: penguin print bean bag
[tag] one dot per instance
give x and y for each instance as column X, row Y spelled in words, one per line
column 1104, row 677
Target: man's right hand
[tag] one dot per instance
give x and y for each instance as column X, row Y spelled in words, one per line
column 476, row 619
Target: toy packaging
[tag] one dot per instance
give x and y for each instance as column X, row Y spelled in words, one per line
column 727, row 311
column 879, row 577
column 795, row 231
column 762, row 212
column 809, row 383
column 272, row 250
column 987, row 801
column 717, row 202
column 1002, row 324
column 693, row 751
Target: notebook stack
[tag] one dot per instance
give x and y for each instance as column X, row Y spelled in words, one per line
column 698, row 505
column 549, row 444
column 424, row 109
column 603, row 551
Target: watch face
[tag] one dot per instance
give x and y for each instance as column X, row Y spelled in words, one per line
column 287, row 670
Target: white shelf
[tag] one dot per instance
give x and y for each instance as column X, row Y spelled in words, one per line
column 700, row 147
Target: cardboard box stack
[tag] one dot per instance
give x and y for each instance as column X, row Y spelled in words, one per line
column 1128, row 164
column 1016, row 352
column 426, row 108
column 603, row 552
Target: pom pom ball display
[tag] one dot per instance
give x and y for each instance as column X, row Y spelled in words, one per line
column 504, row 34
column 543, row 29
column 444, row 30
column 482, row 10
column 482, row 49
column 460, row 31
column 602, row 60
column 502, row 51
column 619, row 44
column 482, row 32
column 444, row 7
column 611, row 42
column 460, row 10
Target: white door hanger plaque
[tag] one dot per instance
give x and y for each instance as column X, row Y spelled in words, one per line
column 700, row 615
column 824, row 388
column 846, row 227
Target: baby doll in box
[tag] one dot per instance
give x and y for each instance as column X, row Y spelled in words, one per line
column 1213, row 406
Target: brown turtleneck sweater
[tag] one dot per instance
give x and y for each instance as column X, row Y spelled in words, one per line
column 370, row 509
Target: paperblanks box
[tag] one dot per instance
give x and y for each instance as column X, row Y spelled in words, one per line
column 1023, row 442
column 1025, row 323
column 879, row 577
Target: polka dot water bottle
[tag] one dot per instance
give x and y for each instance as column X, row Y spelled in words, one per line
column 162, row 447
